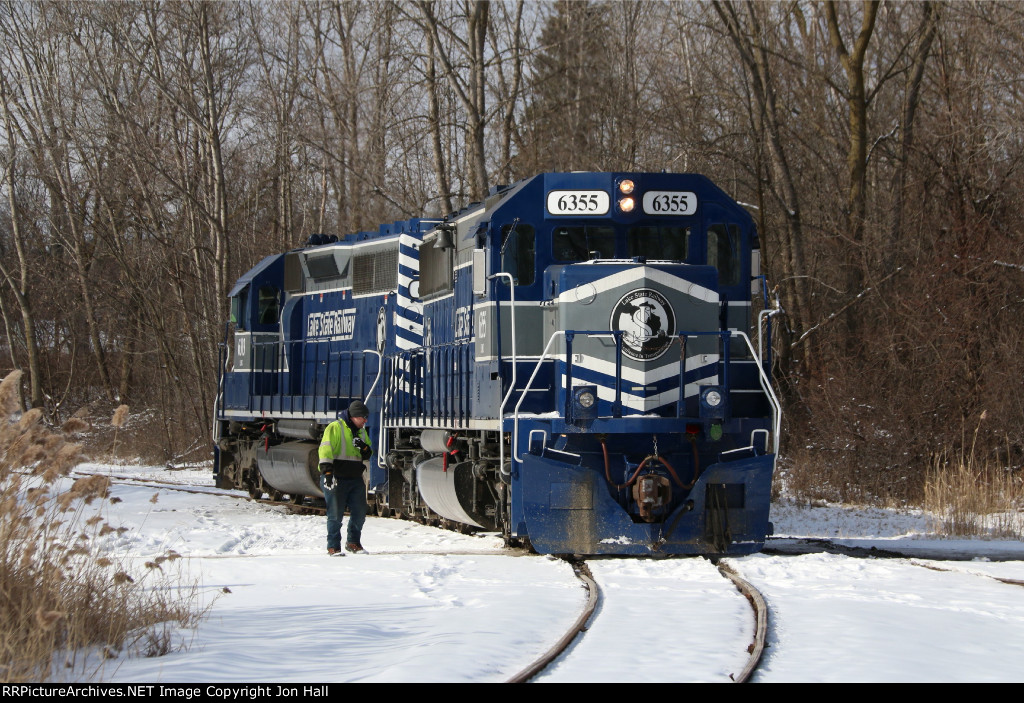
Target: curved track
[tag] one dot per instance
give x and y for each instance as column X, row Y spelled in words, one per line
column 936, row 567
column 585, row 620
column 760, row 608
column 562, row 648
column 578, row 626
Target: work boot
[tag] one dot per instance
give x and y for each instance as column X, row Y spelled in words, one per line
column 354, row 547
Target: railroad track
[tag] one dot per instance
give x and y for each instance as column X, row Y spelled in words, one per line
column 585, row 621
column 577, row 630
column 760, row 608
column 817, row 545
column 936, row 567
column 578, row 626
column 213, row 491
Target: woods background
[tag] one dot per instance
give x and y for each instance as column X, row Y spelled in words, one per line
column 152, row 152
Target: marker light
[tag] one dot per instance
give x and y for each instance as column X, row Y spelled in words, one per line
column 626, row 187
column 627, row 204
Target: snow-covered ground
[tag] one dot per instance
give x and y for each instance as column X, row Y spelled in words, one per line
column 432, row 605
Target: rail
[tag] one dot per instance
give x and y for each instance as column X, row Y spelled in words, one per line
column 589, row 620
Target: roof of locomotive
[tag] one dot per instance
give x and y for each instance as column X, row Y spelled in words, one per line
column 498, row 195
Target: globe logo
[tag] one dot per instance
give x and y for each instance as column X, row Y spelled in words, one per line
column 647, row 323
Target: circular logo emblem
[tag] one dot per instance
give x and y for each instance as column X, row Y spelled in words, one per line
column 647, row 323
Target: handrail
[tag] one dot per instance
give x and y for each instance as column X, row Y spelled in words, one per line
column 512, row 384
column 761, row 316
column 766, row 386
column 522, row 397
column 380, row 367
column 354, row 357
column 512, row 298
column 723, row 334
column 541, row 360
column 222, row 363
column 442, row 395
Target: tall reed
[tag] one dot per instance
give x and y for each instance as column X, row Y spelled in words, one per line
column 60, row 596
column 973, row 496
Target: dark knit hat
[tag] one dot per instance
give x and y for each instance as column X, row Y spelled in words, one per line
column 357, row 409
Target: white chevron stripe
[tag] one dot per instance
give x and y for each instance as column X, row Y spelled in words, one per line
column 650, row 275
column 643, row 404
column 642, row 377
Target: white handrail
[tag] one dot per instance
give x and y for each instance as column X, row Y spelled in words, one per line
column 767, row 388
column 522, row 397
column 380, row 368
column 762, row 377
column 512, row 385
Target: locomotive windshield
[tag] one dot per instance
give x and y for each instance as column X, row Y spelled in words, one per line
column 577, row 243
column 668, row 243
column 518, row 253
column 238, row 308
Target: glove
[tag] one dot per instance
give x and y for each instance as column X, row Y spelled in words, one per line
column 363, row 447
column 329, row 482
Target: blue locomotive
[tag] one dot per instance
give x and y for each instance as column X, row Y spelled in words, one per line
column 568, row 362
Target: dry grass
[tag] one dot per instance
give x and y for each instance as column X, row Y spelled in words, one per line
column 59, row 597
column 974, row 497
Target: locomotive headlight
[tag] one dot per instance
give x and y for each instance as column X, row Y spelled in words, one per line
column 584, row 404
column 713, row 402
column 627, row 204
column 713, row 398
column 626, row 186
column 586, row 399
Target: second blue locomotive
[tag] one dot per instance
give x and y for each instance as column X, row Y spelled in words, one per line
column 574, row 362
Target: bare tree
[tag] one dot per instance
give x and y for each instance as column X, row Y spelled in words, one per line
column 17, row 279
column 750, row 39
column 452, row 46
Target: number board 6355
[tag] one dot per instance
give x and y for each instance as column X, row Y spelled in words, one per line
column 578, row 202
column 669, row 202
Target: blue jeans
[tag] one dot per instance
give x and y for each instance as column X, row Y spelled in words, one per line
column 351, row 493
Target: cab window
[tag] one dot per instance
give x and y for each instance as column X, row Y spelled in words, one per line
column 519, row 253
column 668, row 243
column 238, row 309
column 724, row 253
column 269, row 301
column 582, row 243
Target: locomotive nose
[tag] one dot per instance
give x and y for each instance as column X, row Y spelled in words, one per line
column 629, row 316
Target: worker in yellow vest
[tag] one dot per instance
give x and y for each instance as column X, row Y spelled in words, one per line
column 344, row 448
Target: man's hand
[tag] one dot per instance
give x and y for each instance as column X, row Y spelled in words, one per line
column 363, row 447
column 329, row 482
